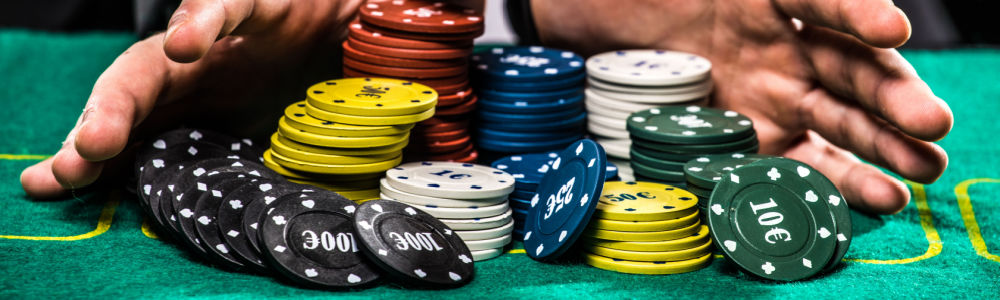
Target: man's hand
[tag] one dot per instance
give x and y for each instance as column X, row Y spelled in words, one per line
column 818, row 88
column 227, row 64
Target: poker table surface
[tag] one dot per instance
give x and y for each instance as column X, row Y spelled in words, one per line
column 944, row 244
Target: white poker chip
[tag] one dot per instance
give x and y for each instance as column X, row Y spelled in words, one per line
column 619, row 104
column 595, row 107
column 655, row 98
column 624, row 167
column 618, row 148
column 450, row 180
column 460, row 212
column 609, row 122
column 485, row 234
column 604, row 131
column 481, row 255
column 648, row 67
column 479, row 223
column 494, row 243
column 650, row 90
column 388, row 192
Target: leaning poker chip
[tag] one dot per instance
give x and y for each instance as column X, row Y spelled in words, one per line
column 450, row 180
column 772, row 222
column 643, row 201
column 429, row 54
column 371, row 97
column 206, row 211
column 390, row 192
column 368, row 120
column 393, row 71
column 645, row 236
column 649, row 90
column 689, row 125
column 422, row 16
column 705, row 171
column 493, row 243
column 338, row 141
column 649, row 268
column 651, row 256
column 229, row 219
column 375, row 36
column 486, row 234
column 565, row 200
column 297, row 118
column 164, row 164
column 527, row 63
column 412, row 245
column 334, row 169
column 648, row 67
column 164, row 141
column 699, row 238
column 479, row 223
column 259, row 202
column 662, row 225
column 310, row 240
column 383, row 60
column 285, row 141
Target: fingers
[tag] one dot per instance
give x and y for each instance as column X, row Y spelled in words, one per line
column 862, row 185
column 880, row 80
column 851, row 128
column 878, row 23
column 197, row 24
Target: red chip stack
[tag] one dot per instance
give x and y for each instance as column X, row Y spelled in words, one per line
column 429, row 43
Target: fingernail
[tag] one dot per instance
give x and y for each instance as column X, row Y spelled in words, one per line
column 176, row 21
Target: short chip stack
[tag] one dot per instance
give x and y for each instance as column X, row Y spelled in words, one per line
column 626, row 81
column 702, row 173
column 469, row 198
column 347, row 132
column 647, row 228
column 426, row 42
column 528, row 171
column 530, row 99
column 665, row 138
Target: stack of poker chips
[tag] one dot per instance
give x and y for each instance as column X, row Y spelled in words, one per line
column 530, row 99
column 663, row 139
column 646, row 228
column 469, row 198
column 347, row 132
column 528, row 170
column 702, row 173
column 429, row 43
column 623, row 82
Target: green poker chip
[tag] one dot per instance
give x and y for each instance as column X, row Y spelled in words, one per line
column 655, row 162
column 664, row 154
column 829, row 193
column 699, row 191
column 772, row 222
column 689, row 125
column 661, row 175
column 705, row 171
column 726, row 147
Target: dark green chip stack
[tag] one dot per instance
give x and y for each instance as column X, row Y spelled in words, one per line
column 702, row 173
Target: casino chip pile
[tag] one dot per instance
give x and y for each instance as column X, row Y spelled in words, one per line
column 665, row 138
column 347, row 132
column 647, row 228
column 528, row 170
column 626, row 81
column 701, row 174
column 530, row 99
column 469, row 198
column 210, row 193
column 426, row 42
column 779, row 219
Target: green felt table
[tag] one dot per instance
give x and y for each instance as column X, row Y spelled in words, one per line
column 945, row 243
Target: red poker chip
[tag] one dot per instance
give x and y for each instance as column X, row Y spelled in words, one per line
column 401, row 62
column 437, row 37
column 422, row 16
column 444, row 89
column 410, row 53
column 457, row 81
column 455, row 98
column 442, row 136
column 463, row 153
column 376, row 37
column 406, row 72
column 437, row 124
column 463, row 108
column 444, row 146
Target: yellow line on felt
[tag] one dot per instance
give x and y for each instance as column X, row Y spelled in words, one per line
column 103, row 224
column 969, row 216
column 146, row 230
column 23, row 157
column 934, row 244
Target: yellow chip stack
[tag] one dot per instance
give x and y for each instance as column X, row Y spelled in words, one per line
column 647, row 228
column 348, row 132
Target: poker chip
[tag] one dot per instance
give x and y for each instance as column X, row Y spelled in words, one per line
column 607, row 86
column 462, row 212
column 648, row 67
column 229, row 219
column 486, row 234
column 688, row 242
column 705, row 171
column 660, row 225
column 412, row 245
column 297, row 118
column 486, row 244
column 375, row 36
column 368, row 120
column 371, row 96
column 420, row 73
column 654, row 256
column 518, row 64
column 649, row 268
column 523, row 107
column 287, row 142
column 479, row 223
column 617, row 148
column 643, row 201
column 689, row 125
column 481, row 255
column 422, row 16
column 383, row 60
column 656, row 98
column 428, row 54
column 206, row 210
column 644, row 236
column 532, row 86
column 452, row 180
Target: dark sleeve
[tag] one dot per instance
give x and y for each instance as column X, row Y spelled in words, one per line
column 523, row 22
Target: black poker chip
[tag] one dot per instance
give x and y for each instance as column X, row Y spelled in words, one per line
column 206, row 220
column 412, row 245
column 229, row 218
column 260, row 199
column 309, row 238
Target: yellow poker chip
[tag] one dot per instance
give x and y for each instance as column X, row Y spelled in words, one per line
column 645, row 267
column 675, row 255
column 643, row 201
column 338, row 185
column 664, row 225
column 357, row 194
column 294, row 174
column 290, row 152
column 649, row 236
column 334, row 169
column 394, row 148
column 371, row 97
column 339, row 141
column 687, row 242
column 368, row 120
column 297, row 118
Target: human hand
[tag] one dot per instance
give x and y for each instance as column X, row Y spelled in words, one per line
column 818, row 89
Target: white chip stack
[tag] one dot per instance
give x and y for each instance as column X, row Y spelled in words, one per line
column 471, row 199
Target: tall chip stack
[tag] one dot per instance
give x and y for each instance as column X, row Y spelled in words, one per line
column 530, row 99
column 702, row 173
column 646, row 228
column 471, row 199
column 663, row 139
column 623, row 82
column 429, row 43
column 347, row 132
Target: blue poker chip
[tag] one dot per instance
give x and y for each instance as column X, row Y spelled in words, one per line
column 527, row 63
column 547, row 96
column 531, row 106
column 566, row 199
column 491, row 134
column 532, row 118
column 503, row 146
column 555, row 125
column 490, row 83
column 522, row 194
column 521, row 204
